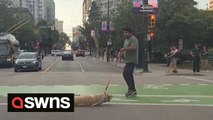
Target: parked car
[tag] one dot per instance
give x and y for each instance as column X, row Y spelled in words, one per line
column 67, row 55
column 28, row 61
column 21, row 51
column 87, row 53
column 56, row 52
column 80, row 53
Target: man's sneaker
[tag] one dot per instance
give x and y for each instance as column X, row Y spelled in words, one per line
column 175, row 71
column 131, row 93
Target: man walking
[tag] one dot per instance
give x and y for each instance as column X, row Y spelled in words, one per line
column 196, row 54
column 130, row 50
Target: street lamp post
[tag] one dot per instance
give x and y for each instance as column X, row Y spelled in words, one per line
column 145, row 59
column 108, row 32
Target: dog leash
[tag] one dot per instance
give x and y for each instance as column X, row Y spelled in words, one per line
column 107, row 85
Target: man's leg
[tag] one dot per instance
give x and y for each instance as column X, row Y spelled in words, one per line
column 194, row 65
column 198, row 64
column 128, row 76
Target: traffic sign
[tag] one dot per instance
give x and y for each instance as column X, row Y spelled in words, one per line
column 147, row 9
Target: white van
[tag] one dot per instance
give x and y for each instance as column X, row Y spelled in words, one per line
column 56, row 52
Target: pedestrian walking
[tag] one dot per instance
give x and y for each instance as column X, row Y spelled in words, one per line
column 168, row 55
column 204, row 59
column 174, row 58
column 196, row 54
column 130, row 50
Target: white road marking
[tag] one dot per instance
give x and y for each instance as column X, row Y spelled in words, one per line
column 202, row 84
column 82, row 70
column 151, row 86
column 124, row 100
column 167, row 84
column 170, row 96
column 50, row 66
column 185, row 84
column 162, row 104
column 197, row 79
column 149, row 104
column 3, row 104
column 180, row 101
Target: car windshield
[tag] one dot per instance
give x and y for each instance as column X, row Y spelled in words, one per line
column 4, row 49
column 27, row 56
column 67, row 52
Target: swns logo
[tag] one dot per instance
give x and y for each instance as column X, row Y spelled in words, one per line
column 41, row 102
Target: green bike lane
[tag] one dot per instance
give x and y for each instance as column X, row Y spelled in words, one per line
column 148, row 94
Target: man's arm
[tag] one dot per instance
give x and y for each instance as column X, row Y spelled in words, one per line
column 133, row 46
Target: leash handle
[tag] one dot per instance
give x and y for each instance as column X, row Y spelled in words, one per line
column 107, row 85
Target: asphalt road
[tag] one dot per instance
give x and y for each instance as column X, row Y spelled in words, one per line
column 86, row 75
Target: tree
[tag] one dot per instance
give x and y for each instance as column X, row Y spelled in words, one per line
column 7, row 15
column 180, row 18
column 94, row 16
column 86, row 31
column 124, row 17
column 27, row 36
column 64, row 39
column 47, row 36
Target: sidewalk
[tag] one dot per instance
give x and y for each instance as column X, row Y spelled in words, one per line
column 158, row 69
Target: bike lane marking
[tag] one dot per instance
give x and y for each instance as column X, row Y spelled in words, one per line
column 147, row 94
column 197, row 79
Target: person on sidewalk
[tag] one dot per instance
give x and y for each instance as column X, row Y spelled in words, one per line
column 174, row 59
column 196, row 54
column 130, row 50
column 204, row 59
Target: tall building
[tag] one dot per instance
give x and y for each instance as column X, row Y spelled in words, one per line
column 50, row 10
column 210, row 4
column 41, row 9
column 59, row 25
column 77, row 35
column 86, row 7
column 103, row 4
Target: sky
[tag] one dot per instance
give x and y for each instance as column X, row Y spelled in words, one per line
column 202, row 4
column 70, row 11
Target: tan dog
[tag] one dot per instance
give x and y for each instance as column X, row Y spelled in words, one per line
column 92, row 100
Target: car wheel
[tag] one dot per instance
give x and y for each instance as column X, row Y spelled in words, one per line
column 40, row 68
column 15, row 70
column 37, row 68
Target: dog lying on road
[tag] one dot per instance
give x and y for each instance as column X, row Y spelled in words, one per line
column 92, row 100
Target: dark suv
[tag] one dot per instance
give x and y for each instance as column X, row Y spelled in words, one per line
column 28, row 61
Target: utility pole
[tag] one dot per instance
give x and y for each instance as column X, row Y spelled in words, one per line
column 145, row 58
column 108, row 32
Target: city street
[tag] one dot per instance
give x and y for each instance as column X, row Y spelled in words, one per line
column 161, row 96
column 98, row 36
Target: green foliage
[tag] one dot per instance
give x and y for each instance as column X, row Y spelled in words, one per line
column 63, row 39
column 93, row 23
column 7, row 15
column 27, row 36
column 180, row 18
column 175, row 19
column 124, row 17
column 94, row 16
column 47, row 36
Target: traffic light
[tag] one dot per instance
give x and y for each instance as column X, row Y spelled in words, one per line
column 151, row 35
column 152, row 20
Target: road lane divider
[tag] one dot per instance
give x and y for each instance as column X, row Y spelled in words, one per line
column 82, row 70
column 53, row 63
